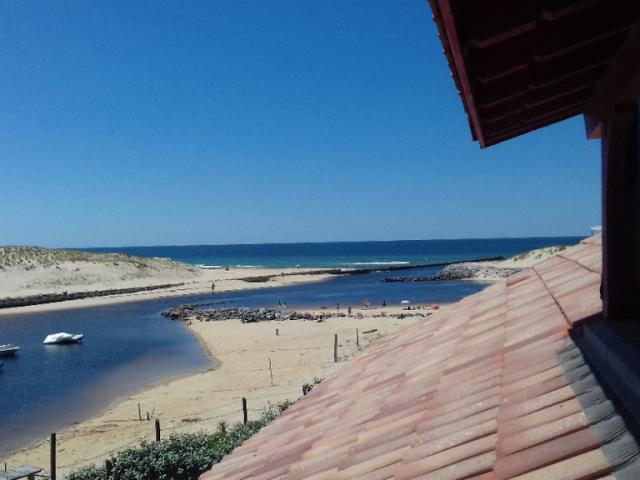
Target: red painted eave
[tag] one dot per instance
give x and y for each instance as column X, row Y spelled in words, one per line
column 520, row 66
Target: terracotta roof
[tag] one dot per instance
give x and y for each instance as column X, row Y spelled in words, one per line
column 491, row 387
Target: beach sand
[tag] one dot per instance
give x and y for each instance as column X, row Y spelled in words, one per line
column 12, row 285
column 302, row 350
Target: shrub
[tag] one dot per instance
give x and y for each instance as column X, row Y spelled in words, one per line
column 307, row 387
column 180, row 457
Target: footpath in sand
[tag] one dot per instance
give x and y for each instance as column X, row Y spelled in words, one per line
column 301, row 351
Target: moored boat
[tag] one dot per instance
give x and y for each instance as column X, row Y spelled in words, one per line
column 62, row 338
column 8, row 350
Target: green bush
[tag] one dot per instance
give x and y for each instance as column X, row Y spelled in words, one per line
column 180, row 457
column 307, row 387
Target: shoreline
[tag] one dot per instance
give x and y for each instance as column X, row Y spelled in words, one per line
column 224, row 282
column 301, row 352
column 162, row 382
column 247, row 279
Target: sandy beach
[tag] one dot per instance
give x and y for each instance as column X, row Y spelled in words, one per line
column 301, row 351
column 37, row 277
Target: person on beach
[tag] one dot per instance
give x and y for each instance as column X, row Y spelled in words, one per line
column 213, row 287
column 338, row 306
column 349, row 310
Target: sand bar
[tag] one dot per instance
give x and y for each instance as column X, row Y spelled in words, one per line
column 225, row 281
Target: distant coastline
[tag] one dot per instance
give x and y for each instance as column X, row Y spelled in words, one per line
column 34, row 279
column 367, row 254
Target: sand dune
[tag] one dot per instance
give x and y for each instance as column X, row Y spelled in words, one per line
column 29, row 271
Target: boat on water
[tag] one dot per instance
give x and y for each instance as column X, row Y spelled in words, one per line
column 62, row 338
column 8, row 350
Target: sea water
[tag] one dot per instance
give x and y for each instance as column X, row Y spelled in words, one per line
column 343, row 254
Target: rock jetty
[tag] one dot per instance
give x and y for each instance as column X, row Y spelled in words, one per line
column 10, row 302
column 462, row 271
column 193, row 312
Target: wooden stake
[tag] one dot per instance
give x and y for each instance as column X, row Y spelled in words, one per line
column 271, row 371
column 157, row 430
column 335, row 348
column 139, row 413
column 277, row 332
column 108, row 467
column 53, row 457
column 357, row 338
column 245, row 414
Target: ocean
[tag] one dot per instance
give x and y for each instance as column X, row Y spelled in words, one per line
column 342, row 254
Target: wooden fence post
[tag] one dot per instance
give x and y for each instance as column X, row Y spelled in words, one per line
column 245, row 414
column 157, row 430
column 271, row 371
column 357, row 338
column 53, row 457
column 139, row 413
column 335, row 348
column 108, row 467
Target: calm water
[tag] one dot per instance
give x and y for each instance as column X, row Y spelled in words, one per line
column 125, row 347
column 342, row 254
column 130, row 346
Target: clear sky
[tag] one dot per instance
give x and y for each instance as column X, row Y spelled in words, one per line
column 241, row 121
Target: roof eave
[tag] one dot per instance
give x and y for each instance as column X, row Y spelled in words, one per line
column 443, row 17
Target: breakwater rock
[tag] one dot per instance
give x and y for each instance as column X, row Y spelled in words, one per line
column 462, row 271
column 250, row 315
column 360, row 271
column 25, row 301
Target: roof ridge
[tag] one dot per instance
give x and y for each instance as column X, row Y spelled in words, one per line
column 555, row 300
column 591, row 269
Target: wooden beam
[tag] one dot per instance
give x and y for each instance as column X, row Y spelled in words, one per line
column 621, row 214
column 449, row 34
column 620, row 84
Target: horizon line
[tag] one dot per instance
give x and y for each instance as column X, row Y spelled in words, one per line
column 314, row 242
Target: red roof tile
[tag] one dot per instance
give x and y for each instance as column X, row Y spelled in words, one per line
column 490, row 388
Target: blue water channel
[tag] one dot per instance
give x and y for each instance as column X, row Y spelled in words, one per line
column 130, row 346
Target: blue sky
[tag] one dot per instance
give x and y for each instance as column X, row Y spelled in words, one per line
column 241, row 121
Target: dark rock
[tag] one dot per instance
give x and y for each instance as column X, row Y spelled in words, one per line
column 64, row 296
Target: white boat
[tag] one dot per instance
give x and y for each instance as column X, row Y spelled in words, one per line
column 8, row 350
column 62, row 338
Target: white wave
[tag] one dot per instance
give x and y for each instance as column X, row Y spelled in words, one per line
column 249, row 266
column 209, row 267
column 378, row 263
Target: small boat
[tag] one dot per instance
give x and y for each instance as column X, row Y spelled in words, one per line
column 8, row 350
column 62, row 338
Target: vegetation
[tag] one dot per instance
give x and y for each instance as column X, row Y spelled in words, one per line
column 538, row 253
column 307, row 387
column 180, row 457
column 32, row 257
